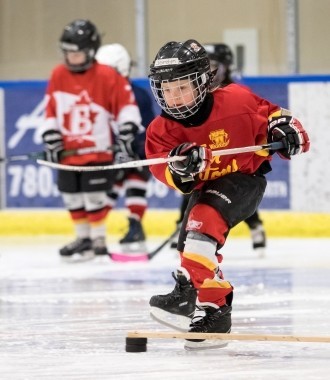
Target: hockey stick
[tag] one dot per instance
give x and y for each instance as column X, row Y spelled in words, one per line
column 24, row 157
column 66, row 153
column 122, row 257
column 232, row 336
column 160, row 160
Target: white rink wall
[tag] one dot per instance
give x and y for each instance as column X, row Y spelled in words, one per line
column 310, row 173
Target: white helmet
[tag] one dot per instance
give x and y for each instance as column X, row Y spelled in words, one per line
column 116, row 56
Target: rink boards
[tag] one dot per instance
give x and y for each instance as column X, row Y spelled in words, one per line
column 298, row 185
column 296, row 203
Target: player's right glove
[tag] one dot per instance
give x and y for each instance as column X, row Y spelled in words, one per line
column 53, row 144
column 198, row 158
column 290, row 132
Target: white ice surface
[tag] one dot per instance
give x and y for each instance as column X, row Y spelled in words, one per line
column 69, row 321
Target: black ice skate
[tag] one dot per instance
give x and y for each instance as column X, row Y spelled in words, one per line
column 258, row 239
column 208, row 319
column 135, row 238
column 99, row 246
column 77, row 251
column 176, row 308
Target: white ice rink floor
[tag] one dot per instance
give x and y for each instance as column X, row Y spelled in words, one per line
column 63, row 321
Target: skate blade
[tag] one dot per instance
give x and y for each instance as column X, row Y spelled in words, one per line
column 78, row 257
column 129, row 257
column 260, row 251
column 101, row 259
column 177, row 322
column 134, row 247
column 204, row 345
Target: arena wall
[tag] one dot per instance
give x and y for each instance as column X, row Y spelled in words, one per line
column 296, row 203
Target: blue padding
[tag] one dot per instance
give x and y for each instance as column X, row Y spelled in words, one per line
column 30, row 185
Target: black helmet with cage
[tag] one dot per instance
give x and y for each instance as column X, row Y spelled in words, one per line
column 221, row 61
column 220, row 53
column 80, row 35
column 182, row 62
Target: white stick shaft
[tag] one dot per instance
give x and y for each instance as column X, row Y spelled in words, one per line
column 124, row 165
column 157, row 161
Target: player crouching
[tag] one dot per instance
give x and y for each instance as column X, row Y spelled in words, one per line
column 197, row 118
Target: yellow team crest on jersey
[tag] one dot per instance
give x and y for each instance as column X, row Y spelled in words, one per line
column 219, row 139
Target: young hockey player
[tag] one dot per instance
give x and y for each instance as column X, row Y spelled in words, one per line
column 221, row 62
column 225, row 190
column 84, row 98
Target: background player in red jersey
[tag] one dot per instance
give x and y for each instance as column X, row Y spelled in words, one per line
column 221, row 62
column 88, row 105
column 134, row 182
column 197, row 118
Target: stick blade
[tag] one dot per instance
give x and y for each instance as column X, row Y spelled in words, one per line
column 128, row 257
column 204, row 345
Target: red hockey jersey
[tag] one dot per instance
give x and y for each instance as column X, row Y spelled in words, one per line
column 86, row 108
column 239, row 118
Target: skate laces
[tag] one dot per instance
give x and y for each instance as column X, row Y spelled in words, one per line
column 99, row 242
column 179, row 289
column 199, row 315
column 205, row 317
column 135, row 232
column 75, row 244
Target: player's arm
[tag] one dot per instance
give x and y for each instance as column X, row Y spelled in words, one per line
column 129, row 120
column 51, row 136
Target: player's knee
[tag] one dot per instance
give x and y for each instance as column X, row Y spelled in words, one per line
column 199, row 251
column 208, row 221
column 201, row 237
column 96, row 200
column 73, row 201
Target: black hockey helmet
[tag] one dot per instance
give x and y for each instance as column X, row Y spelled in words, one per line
column 220, row 53
column 80, row 35
column 181, row 61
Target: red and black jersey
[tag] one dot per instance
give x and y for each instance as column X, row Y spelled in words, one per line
column 238, row 118
column 86, row 107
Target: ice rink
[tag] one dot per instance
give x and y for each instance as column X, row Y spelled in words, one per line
column 69, row 321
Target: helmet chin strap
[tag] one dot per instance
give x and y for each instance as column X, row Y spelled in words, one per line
column 218, row 77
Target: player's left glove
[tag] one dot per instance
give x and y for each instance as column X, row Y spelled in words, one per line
column 290, row 132
column 125, row 141
column 198, row 159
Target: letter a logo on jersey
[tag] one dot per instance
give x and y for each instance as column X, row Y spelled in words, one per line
column 219, row 139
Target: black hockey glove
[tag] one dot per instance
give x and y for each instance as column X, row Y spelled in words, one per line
column 53, row 144
column 198, row 158
column 290, row 132
column 125, row 141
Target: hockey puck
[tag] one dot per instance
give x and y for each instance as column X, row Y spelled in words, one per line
column 136, row 344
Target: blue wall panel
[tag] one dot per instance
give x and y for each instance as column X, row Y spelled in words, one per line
column 30, row 185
